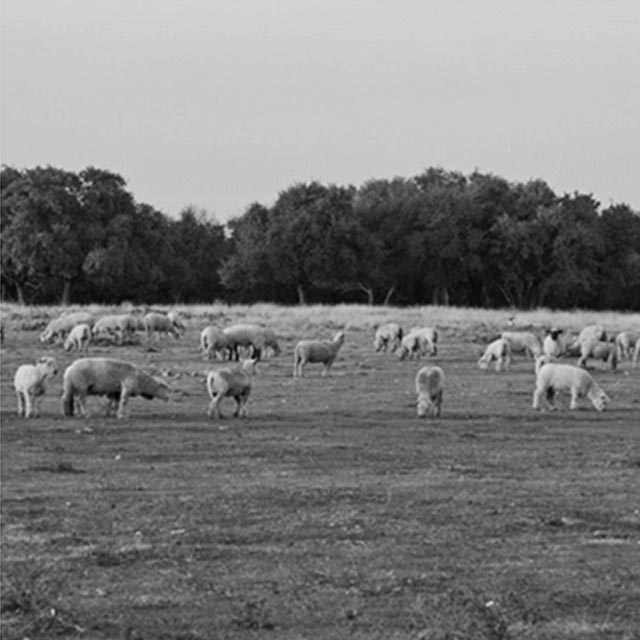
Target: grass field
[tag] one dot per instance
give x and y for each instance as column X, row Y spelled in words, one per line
column 331, row 511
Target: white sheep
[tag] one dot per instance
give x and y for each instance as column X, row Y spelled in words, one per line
column 79, row 338
column 498, row 351
column 115, row 379
column 430, row 389
column 120, row 326
column 159, row 323
column 30, row 385
column 213, row 341
column 552, row 345
column 58, row 327
column 592, row 333
column 523, row 342
column 600, row 350
column 625, row 344
column 233, row 383
column 389, row 334
column 418, row 342
column 322, row 351
column 555, row 377
column 177, row 322
column 253, row 336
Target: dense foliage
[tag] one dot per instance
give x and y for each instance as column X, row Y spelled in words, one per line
column 439, row 237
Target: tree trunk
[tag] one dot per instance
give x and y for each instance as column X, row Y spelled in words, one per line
column 20, row 292
column 66, row 293
column 387, row 298
column 369, row 291
column 302, row 298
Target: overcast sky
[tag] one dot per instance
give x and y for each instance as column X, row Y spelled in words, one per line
column 220, row 104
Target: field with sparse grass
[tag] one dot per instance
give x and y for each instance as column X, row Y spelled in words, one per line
column 331, row 511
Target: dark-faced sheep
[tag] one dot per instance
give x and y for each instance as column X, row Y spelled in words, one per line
column 430, row 389
column 30, row 385
column 316, row 351
column 233, row 383
column 115, row 379
column 555, row 377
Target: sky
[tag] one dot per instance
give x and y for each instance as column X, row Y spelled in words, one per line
column 218, row 104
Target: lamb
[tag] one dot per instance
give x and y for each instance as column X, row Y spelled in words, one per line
column 213, row 340
column 121, row 326
column 79, row 338
column 625, row 343
column 321, row 351
column 234, row 383
column 523, row 341
column 116, row 379
column 554, row 377
column 177, row 321
column 430, row 388
column 499, row 351
column 552, row 344
column 159, row 323
column 419, row 341
column 30, row 385
column 58, row 327
column 388, row 334
column 601, row 351
column 254, row 336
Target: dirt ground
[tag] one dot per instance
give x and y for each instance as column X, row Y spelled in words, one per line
column 331, row 511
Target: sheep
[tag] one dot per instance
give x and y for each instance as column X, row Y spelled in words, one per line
column 79, row 338
column 116, row 379
column 29, row 384
column 388, row 334
column 321, row 351
column 591, row 333
column 419, row 341
column 605, row 351
column 233, row 383
column 552, row 344
column 253, row 336
column 523, row 341
column 430, row 388
column 625, row 343
column 177, row 321
column 498, row 350
column 212, row 340
column 58, row 327
column 554, row 377
column 159, row 323
column 121, row 326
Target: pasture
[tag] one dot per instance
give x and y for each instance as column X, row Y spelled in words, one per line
column 331, row 511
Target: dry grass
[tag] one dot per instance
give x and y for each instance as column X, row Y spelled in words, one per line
column 331, row 511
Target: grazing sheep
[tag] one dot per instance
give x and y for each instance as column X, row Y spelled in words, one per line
column 159, row 323
column 29, row 384
column 321, row 351
column 418, row 342
column 388, row 334
column 232, row 383
column 213, row 341
column 625, row 343
column 79, row 338
column 499, row 351
column 116, row 379
column 253, row 336
column 523, row 342
column 554, row 377
column 58, row 327
column 120, row 326
column 177, row 322
column 430, row 388
column 605, row 351
column 592, row 333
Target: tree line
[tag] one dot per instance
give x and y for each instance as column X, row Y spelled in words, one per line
column 439, row 237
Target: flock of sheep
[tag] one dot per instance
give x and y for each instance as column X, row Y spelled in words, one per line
column 118, row 380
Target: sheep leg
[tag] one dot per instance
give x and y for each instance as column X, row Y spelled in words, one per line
column 21, row 404
column 574, row 400
column 124, row 397
column 28, row 412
